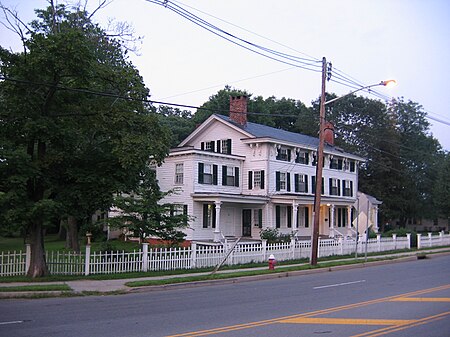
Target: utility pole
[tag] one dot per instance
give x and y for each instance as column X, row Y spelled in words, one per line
column 319, row 168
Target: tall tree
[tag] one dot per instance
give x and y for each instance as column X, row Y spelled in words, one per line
column 75, row 128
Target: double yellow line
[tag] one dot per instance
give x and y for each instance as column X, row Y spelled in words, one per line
column 395, row 325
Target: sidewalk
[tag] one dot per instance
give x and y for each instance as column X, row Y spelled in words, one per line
column 119, row 285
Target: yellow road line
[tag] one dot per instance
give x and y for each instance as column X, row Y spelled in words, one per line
column 421, row 299
column 308, row 314
column 388, row 330
column 347, row 321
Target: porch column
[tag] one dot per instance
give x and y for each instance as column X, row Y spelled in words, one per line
column 217, row 234
column 332, row 221
column 375, row 219
column 349, row 221
column 294, row 215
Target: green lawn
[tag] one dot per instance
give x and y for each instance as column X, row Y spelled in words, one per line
column 53, row 243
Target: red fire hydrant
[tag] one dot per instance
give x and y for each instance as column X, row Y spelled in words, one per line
column 272, row 262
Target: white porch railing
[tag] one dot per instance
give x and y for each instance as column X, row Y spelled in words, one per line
column 196, row 256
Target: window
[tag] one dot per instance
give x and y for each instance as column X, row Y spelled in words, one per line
column 207, row 174
column 179, row 174
column 336, row 163
column 207, row 146
column 303, row 217
column 178, row 209
column 209, row 216
column 347, row 188
column 313, row 185
column 256, row 179
column 334, row 186
column 350, row 165
column 257, row 218
column 302, row 157
column 282, row 181
column 301, row 183
column 284, row 154
column 224, row 146
column 230, row 176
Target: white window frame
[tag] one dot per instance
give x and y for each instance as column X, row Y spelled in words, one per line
column 231, row 175
column 334, row 186
column 302, row 182
column 283, row 179
column 224, row 146
column 208, row 174
column 179, row 173
column 257, row 179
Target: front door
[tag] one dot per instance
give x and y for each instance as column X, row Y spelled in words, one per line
column 246, row 222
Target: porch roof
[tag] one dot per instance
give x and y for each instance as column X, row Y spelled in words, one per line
column 231, row 198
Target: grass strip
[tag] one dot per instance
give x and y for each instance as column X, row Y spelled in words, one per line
column 37, row 287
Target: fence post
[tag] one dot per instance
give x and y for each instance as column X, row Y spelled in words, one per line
column 430, row 239
column 293, row 247
column 193, row 255
column 419, row 239
column 441, row 238
column 87, row 260
column 379, row 242
column 27, row 257
column 145, row 256
column 394, row 238
column 341, row 245
column 264, row 249
column 408, row 237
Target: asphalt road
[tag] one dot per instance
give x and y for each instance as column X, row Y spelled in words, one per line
column 401, row 299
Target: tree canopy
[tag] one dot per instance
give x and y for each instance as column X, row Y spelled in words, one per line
column 75, row 127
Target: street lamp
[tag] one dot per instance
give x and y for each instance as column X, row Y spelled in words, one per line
column 319, row 162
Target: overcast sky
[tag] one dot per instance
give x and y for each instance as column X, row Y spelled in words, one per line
column 369, row 41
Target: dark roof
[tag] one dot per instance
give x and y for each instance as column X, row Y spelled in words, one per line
column 261, row 131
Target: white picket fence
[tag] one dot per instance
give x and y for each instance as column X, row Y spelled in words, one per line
column 200, row 255
column 433, row 240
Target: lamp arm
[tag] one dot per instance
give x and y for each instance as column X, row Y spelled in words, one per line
column 352, row 92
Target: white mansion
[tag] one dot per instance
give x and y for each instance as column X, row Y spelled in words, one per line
column 235, row 178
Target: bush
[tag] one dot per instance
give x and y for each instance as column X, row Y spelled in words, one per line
column 272, row 235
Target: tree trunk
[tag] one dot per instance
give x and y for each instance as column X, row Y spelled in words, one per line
column 62, row 233
column 38, row 264
column 72, row 233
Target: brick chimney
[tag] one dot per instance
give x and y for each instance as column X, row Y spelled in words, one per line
column 238, row 109
column 328, row 133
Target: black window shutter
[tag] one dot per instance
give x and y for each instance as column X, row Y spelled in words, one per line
column 224, row 175
column 289, row 154
column 171, row 210
column 289, row 216
column 296, row 187
column 214, row 216
column 340, row 163
column 351, row 188
column 228, row 146
column 306, row 217
column 307, row 158
column 202, row 145
column 260, row 218
column 213, row 143
column 200, row 173
column 277, row 216
column 323, row 185
column 218, row 146
column 262, row 179
column 236, row 176
column 306, row 184
column 313, row 183
column 288, row 182
column 277, row 180
column 205, row 215
column 343, row 187
column 250, row 180
column 330, row 185
column 185, row 213
column 339, row 187
column 214, row 174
